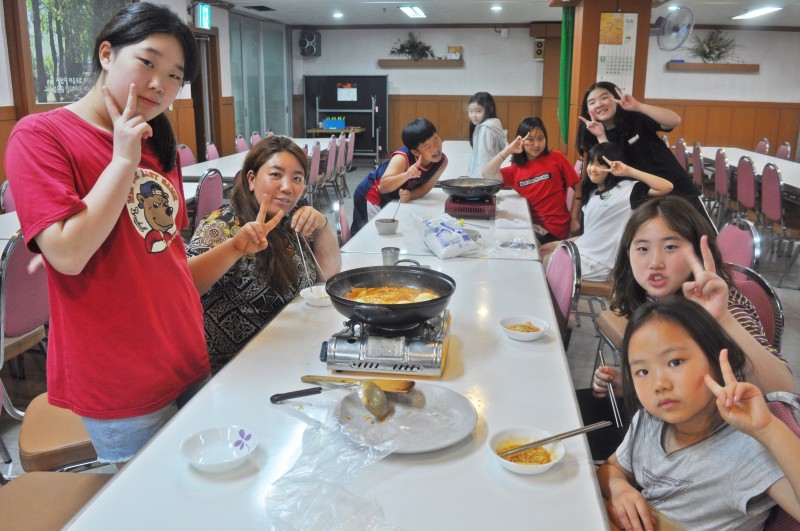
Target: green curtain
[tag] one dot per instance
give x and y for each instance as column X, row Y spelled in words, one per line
column 565, row 70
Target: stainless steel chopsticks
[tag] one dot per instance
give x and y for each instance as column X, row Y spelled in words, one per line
column 303, row 256
column 614, row 408
column 546, row 440
column 311, row 251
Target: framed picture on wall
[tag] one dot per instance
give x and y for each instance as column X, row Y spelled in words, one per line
column 55, row 39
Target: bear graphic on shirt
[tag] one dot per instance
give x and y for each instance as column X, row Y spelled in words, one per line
column 153, row 204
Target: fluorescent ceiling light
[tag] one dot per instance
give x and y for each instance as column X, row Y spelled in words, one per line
column 756, row 13
column 338, row 14
column 497, row 8
column 413, row 12
column 673, row 8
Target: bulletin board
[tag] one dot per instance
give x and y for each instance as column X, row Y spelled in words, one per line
column 617, row 49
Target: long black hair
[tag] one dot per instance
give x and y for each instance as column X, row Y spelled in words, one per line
column 133, row 24
column 274, row 264
column 698, row 324
column 584, row 140
column 680, row 216
column 595, row 156
column 526, row 126
column 485, row 100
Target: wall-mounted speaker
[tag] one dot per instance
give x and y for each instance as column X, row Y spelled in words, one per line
column 538, row 49
column 310, row 43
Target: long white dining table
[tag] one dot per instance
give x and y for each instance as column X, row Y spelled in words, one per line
column 230, row 164
column 505, row 243
column 790, row 170
column 509, row 383
column 9, row 224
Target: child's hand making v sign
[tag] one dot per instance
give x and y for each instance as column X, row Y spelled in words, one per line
column 742, row 405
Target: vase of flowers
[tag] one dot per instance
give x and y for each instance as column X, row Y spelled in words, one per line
column 413, row 48
column 714, row 48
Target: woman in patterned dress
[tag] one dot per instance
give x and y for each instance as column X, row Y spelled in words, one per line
column 252, row 243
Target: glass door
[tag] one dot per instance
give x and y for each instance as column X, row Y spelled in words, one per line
column 259, row 76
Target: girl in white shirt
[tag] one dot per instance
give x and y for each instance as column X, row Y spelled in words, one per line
column 486, row 135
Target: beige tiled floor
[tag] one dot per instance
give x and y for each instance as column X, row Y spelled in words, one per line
column 580, row 354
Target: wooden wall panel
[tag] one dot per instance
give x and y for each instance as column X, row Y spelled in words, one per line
column 184, row 119
column 734, row 123
column 227, row 127
column 7, row 122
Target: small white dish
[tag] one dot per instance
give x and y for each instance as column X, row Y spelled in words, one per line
column 219, row 449
column 520, row 436
column 521, row 320
column 316, row 296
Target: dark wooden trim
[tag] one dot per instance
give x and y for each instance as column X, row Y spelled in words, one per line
column 408, row 27
column 711, row 67
column 7, row 113
column 424, row 63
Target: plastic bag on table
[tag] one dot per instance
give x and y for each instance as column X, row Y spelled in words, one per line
column 446, row 238
column 312, row 495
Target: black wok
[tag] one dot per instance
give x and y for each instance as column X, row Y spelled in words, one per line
column 470, row 187
column 390, row 315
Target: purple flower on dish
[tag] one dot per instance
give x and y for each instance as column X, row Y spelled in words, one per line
column 244, row 437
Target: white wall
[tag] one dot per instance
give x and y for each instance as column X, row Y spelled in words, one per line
column 6, row 96
column 501, row 66
column 776, row 52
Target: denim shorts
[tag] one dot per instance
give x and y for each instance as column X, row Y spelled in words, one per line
column 118, row 440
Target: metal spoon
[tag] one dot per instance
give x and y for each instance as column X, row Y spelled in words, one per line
column 396, row 210
column 311, row 251
column 303, row 256
column 372, row 396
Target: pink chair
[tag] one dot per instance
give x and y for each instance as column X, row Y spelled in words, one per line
column 785, row 406
column 722, row 181
column 185, row 156
column 313, row 173
column 570, row 197
column 782, row 218
column 762, row 146
column 341, row 165
column 3, row 449
column 6, row 199
column 784, row 151
column 746, row 189
column 702, row 181
column 564, row 281
column 255, row 138
column 208, row 196
column 329, row 176
column 241, row 144
column 740, row 243
column 342, row 224
column 211, row 151
column 24, row 307
column 665, row 139
column 766, row 302
column 351, row 148
column 680, row 154
column 270, row 133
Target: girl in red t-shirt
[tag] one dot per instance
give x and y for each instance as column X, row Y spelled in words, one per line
column 542, row 177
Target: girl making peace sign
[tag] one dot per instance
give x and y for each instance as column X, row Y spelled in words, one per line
column 702, row 448
column 609, row 115
column 99, row 194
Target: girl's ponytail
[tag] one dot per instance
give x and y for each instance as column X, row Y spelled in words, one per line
column 163, row 142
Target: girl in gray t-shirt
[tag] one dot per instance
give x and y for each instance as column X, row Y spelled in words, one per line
column 703, row 448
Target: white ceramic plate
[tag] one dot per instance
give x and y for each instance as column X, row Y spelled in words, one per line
column 427, row 418
column 219, row 449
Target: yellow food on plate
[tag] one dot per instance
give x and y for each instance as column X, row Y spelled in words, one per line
column 524, row 327
column 534, row 456
column 390, row 295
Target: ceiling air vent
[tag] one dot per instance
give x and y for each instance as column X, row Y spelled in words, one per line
column 262, row 9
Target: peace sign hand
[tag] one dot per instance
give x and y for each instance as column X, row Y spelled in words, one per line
column 414, row 171
column 130, row 127
column 593, row 126
column 627, row 101
column 252, row 237
column 707, row 289
column 515, row 146
column 740, row 404
column 617, row 167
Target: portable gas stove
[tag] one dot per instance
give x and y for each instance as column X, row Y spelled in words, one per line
column 482, row 207
column 420, row 349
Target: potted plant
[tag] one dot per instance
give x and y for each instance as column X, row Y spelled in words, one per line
column 413, row 48
column 714, row 48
